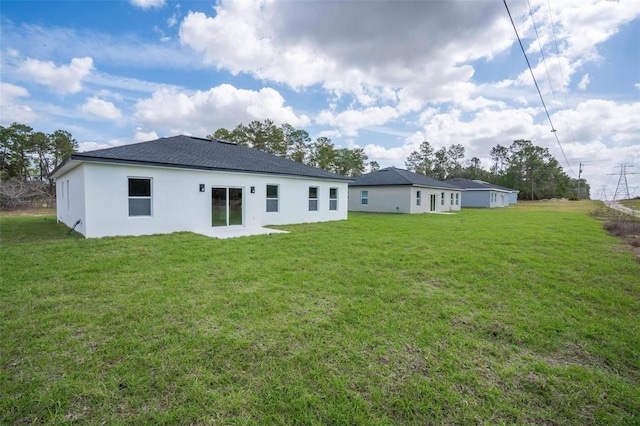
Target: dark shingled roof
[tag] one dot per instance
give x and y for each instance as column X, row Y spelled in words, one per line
column 474, row 184
column 393, row 176
column 198, row 153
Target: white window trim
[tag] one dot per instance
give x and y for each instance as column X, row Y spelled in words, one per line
column 333, row 199
column 312, row 199
column 277, row 198
column 418, row 198
column 362, row 197
column 150, row 197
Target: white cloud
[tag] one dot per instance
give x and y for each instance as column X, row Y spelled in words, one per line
column 598, row 133
column 203, row 112
column 9, row 92
column 92, row 146
column 605, row 121
column 584, row 82
column 147, row 4
column 64, row 79
column 351, row 120
column 101, row 109
column 10, row 109
column 142, row 136
column 583, row 24
column 352, row 54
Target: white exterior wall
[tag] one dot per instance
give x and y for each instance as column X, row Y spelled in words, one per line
column 425, row 203
column 401, row 199
column 178, row 205
column 70, row 199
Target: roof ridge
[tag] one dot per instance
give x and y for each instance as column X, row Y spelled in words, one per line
column 400, row 174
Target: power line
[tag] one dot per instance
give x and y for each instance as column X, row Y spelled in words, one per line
column 544, row 60
column 553, row 130
column 564, row 90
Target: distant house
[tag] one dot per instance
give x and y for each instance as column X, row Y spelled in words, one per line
column 478, row 193
column 185, row 183
column 401, row 191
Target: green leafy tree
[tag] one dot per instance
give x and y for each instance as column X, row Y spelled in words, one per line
column 421, row 161
column 500, row 158
column 17, row 147
column 41, row 146
column 262, row 135
column 297, row 142
column 455, row 155
column 27, row 155
column 63, row 145
column 530, row 169
column 350, row 162
column 323, row 154
column 222, row 134
column 374, row 166
column 441, row 165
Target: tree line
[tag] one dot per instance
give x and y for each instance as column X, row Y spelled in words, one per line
column 26, row 155
column 523, row 166
column 295, row 144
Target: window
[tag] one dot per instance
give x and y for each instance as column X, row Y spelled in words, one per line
column 313, row 198
column 457, row 199
column 272, row 198
column 452, row 198
column 442, row 199
column 139, row 196
column 364, row 197
column 418, row 198
column 68, row 195
column 333, row 198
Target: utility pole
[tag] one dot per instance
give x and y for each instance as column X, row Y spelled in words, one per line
column 622, row 180
column 579, row 180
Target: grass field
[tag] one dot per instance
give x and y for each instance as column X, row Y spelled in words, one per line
column 525, row 315
column 634, row 203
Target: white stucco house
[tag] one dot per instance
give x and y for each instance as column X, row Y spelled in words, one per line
column 394, row 190
column 478, row 193
column 184, row 183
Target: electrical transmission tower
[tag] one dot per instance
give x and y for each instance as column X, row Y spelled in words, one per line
column 623, row 186
column 603, row 193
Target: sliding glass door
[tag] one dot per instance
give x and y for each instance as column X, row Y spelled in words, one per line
column 226, row 206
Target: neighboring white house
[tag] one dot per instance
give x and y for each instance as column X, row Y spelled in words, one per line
column 184, row 183
column 478, row 193
column 401, row 191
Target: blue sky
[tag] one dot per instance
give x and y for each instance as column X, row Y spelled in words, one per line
column 380, row 75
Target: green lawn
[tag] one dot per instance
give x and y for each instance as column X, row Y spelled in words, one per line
column 517, row 316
